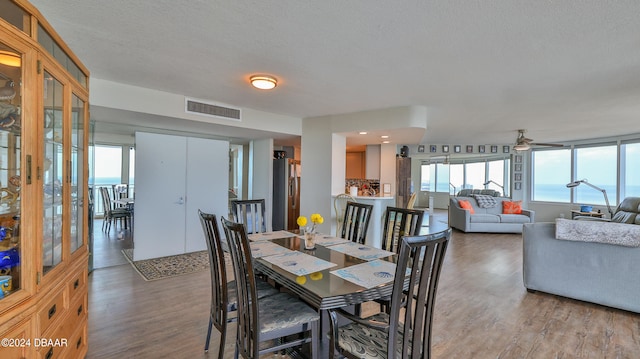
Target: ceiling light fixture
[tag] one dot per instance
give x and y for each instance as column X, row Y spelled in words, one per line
column 263, row 82
column 363, row 132
column 10, row 58
column 522, row 147
column 386, row 141
column 384, row 136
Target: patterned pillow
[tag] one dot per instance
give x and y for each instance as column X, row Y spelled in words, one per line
column 514, row 207
column 466, row 205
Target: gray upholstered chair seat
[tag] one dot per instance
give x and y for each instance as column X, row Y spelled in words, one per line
column 351, row 337
column 264, row 290
column 283, row 311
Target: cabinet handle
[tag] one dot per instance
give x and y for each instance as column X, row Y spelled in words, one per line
column 80, row 310
column 49, row 354
column 76, row 284
column 52, row 311
column 79, row 343
column 69, row 171
column 28, row 169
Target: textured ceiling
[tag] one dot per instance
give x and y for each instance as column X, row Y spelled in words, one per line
column 563, row 70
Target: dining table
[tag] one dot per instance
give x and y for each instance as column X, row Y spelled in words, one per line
column 336, row 273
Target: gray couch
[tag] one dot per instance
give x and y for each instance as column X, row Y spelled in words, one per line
column 592, row 271
column 487, row 219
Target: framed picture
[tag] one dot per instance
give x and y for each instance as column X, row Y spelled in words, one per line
column 505, row 149
column 518, row 159
column 456, row 148
column 469, row 149
column 518, row 167
column 433, row 149
column 386, row 188
column 494, row 149
column 445, row 148
column 517, row 176
column 420, row 148
column 481, row 149
column 517, row 186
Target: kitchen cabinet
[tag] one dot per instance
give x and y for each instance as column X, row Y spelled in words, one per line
column 43, row 186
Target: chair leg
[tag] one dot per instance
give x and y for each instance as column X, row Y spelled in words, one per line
column 315, row 339
column 206, row 343
column 223, row 338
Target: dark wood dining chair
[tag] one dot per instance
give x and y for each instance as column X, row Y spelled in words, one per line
column 223, row 291
column 398, row 222
column 251, row 213
column 355, row 222
column 404, row 332
column 280, row 320
column 111, row 214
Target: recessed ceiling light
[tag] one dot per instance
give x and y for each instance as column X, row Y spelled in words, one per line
column 363, row 132
column 384, row 136
column 386, row 141
column 263, row 82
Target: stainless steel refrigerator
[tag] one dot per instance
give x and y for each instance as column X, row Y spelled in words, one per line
column 286, row 193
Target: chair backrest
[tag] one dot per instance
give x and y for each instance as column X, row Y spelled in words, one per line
column 248, row 323
column 628, row 211
column 412, row 200
column 120, row 191
column 250, row 212
column 412, row 313
column 339, row 205
column 219, row 289
column 106, row 200
column 400, row 222
column 356, row 221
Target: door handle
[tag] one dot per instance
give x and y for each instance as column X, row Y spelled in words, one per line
column 180, row 200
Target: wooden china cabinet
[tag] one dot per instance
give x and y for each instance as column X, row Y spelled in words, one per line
column 44, row 92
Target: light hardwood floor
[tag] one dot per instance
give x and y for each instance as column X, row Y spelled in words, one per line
column 482, row 311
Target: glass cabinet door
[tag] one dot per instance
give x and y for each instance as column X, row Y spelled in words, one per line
column 77, row 171
column 53, row 173
column 10, row 173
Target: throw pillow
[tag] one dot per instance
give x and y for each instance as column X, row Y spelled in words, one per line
column 514, row 207
column 466, row 205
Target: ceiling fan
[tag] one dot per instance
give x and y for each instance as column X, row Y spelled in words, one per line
column 524, row 144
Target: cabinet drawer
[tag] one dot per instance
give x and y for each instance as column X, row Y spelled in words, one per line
column 20, row 346
column 77, row 284
column 53, row 352
column 76, row 314
column 52, row 311
column 78, row 343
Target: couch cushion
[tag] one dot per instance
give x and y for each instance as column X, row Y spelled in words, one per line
column 466, row 205
column 484, row 218
column 514, row 218
column 596, row 231
column 514, row 207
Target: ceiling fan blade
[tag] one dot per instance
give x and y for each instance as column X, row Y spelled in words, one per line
column 547, row 144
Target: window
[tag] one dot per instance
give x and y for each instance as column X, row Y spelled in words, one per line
column 551, row 173
column 599, row 166
column 456, row 177
column 629, row 154
column 451, row 178
column 108, row 165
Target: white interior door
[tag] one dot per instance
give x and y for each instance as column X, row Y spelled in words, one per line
column 207, row 186
column 159, row 227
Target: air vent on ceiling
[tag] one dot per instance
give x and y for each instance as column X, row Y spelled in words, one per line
column 200, row 107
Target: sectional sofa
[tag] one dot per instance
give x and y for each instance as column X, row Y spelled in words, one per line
column 491, row 219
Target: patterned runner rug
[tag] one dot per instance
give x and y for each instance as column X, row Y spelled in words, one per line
column 171, row 266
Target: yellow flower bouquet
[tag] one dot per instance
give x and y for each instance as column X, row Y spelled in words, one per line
column 309, row 231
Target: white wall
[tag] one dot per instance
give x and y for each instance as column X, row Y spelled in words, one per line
column 261, row 174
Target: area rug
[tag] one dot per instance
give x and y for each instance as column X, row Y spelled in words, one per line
column 167, row 267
